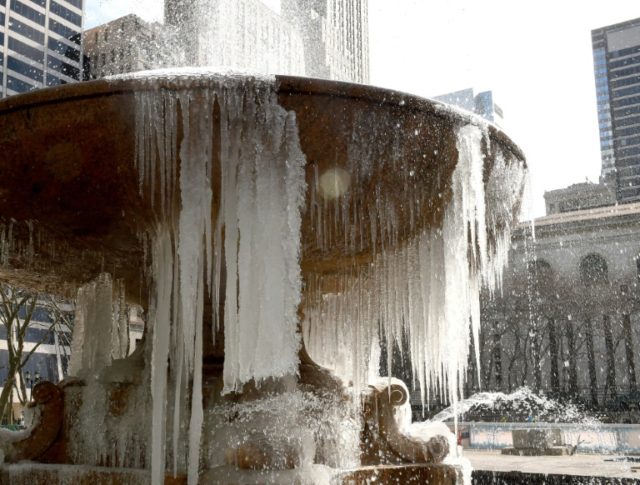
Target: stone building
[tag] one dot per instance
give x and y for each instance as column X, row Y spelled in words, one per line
column 128, row 44
column 586, row 195
column 567, row 320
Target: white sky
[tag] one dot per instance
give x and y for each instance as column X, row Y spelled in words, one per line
column 535, row 57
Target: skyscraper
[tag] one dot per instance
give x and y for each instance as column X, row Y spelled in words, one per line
column 616, row 60
column 241, row 34
column 40, row 44
column 318, row 38
column 335, row 35
column 482, row 104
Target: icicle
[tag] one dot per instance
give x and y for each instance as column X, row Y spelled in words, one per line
column 262, row 192
column 426, row 289
column 160, row 319
column 93, row 328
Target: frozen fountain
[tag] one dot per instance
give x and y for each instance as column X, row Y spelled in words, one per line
column 273, row 229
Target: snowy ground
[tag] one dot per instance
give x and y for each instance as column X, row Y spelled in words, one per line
column 585, row 465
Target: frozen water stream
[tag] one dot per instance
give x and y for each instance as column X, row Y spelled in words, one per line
column 261, row 177
column 227, row 235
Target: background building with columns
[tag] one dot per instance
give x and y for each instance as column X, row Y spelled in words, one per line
column 567, row 321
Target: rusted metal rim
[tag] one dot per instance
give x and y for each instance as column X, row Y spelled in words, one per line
column 285, row 85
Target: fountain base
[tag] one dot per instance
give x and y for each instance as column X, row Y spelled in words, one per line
column 40, row 474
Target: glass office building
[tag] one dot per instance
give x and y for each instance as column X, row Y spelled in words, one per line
column 40, row 44
column 616, row 58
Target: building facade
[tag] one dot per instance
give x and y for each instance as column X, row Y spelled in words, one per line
column 40, row 44
column 482, row 104
column 239, row 34
column 336, row 37
column 616, row 58
column 567, row 322
column 586, row 195
column 326, row 39
column 110, row 50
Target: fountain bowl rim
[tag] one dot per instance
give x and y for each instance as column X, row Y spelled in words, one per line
column 284, row 85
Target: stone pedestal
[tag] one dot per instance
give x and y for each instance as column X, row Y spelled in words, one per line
column 538, row 442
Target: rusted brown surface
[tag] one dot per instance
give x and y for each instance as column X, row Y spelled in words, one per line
column 68, row 166
column 403, row 475
column 35, row 474
column 49, row 401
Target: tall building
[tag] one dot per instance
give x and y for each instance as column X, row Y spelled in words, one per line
column 481, row 104
column 616, row 59
column 335, row 35
column 327, row 39
column 40, row 44
column 241, row 34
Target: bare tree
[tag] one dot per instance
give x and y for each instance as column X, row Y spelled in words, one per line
column 17, row 310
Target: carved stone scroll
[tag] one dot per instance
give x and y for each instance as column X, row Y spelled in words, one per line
column 48, row 402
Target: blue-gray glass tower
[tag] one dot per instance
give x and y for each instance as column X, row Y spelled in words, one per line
column 616, row 60
column 40, row 44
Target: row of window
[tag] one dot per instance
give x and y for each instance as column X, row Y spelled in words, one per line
column 625, row 72
column 33, row 335
column 25, row 69
column 593, row 270
column 627, row 91
column 635, row 140
column 628, row 152
column 39, row 17
column 625, row 52
column 627, row 132
column 626, row 81
column 618, row 103
column 65, row 13
column 44, row 366
column 627, row 172
column 21, row 48
column 61, row 48
column 626, row 111
column 75, row 3
column 628, row 121
column 19, row 86
column 28, row 12
column 624, row 62
column 38, row 36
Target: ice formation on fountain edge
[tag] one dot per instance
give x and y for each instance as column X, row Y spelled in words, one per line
column 427, row 289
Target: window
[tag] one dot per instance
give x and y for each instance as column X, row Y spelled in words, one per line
column 593, row 270
column 32, row 53
column 70, row 34
column 39, row 335
column 25, row 69
column 65, row 13
column 27, row 12
column 43, row 365
column 66, row 50
column 64, row 68
column 28, row 32
column 19, row 86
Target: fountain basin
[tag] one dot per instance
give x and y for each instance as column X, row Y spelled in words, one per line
column 68, row 169
column 212, row 198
